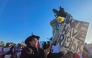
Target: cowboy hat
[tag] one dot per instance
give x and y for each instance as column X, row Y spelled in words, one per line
column 30, row 38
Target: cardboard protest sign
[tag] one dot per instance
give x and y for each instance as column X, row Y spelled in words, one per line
column 73, row 34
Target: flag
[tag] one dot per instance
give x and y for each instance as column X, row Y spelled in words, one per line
column 38, row 44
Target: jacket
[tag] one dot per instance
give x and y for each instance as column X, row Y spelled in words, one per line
column 36, row 53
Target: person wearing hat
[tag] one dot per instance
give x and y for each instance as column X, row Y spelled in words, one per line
column 31, row 50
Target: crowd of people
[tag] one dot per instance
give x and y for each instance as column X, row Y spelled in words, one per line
column 13, row 51
column 48, row 50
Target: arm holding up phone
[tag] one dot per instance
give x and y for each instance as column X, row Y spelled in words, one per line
column 54, row 55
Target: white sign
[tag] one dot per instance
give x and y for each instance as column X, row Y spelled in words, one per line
column 73, row 34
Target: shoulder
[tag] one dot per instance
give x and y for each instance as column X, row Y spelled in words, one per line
column 25, row 49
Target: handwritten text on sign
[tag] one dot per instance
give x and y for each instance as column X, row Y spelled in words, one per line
column 73, row 34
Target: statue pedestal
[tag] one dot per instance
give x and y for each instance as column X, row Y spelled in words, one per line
column 55, row 31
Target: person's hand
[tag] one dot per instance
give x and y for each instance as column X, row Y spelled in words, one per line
column 30, row 50
column 46, row 51
column 65, row 51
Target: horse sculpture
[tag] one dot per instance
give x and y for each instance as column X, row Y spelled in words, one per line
column 61, row 12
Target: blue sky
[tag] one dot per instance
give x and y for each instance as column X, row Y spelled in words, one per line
column 19, row 18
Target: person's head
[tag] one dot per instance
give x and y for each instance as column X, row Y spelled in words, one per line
column 32, row 40
column 7, row 45
column 19, row 45
column 44, row 43
column 48, row 42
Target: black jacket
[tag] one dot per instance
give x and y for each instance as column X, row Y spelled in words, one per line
column 38, row 53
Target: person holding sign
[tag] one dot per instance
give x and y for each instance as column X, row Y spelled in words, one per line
column 32, row 51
